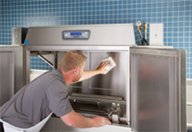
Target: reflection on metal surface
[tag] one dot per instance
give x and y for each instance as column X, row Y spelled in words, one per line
column 56, row 125
column 11, row 71
column 157, row 77
column 153, row 82
column 112, row 84
column 113, row 108
column 103, row 95
column 102, row 34
column 96, row 96
column 157, row 90
column 110, row 97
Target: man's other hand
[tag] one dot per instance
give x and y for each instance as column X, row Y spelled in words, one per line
column 101, row 121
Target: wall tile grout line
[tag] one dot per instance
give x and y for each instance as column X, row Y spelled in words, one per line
column 174, row 14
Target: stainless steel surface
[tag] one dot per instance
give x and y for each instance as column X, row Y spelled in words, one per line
column 189, row 104
column 35, row 53
column 113, row 108
column 158, row 80
column 115, row 89
column 97, row 96
column 36, row 73
column 45, row 56
column 18, row 35
column 189, row 116
column 103, row 34
column 101, row 99
column 26, row 66
column 112, row 84
column 55, row 56
column 50, row 127
column 156, row 100
column 47, row 61
column 11, row 72
column 101, row 88
column 115, row 118
column 182, row 88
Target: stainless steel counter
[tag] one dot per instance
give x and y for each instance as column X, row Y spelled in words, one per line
column 49, row 126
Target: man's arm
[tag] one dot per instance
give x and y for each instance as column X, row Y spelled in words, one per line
column 74, row 119
column 100, row 69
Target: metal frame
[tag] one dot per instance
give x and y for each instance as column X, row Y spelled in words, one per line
column 31, row 48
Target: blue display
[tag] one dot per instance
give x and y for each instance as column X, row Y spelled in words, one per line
column 76, row 33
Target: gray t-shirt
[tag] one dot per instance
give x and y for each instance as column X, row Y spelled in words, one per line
column 35, row 101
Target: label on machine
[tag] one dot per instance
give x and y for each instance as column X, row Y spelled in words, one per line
column 76, row 34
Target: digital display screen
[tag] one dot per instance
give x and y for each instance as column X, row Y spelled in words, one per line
column 76, row 33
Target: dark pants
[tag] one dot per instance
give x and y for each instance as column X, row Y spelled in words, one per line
column 1, row 127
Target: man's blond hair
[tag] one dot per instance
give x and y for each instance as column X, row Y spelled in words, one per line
column 71, row 60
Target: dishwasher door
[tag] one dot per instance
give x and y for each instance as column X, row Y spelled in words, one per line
column 158, row 90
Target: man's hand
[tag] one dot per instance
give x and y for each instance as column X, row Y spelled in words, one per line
column 101, row 121
column 101, row 68
column 74, row 119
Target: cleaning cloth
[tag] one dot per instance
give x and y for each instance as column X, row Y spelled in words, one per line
column 110, row 66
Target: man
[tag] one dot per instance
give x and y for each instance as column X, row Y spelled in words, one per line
column 34, row 103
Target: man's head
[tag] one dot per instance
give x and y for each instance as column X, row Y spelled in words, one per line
column 73, row 60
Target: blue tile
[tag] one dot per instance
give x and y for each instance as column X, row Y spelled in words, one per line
column 181, row 8
column 176, row 3
column 170, row 19
column 176, row 16
column 187, row 2
column 180, row 45
column 175, row 40
column 159, row 9
column 180, row 39
column 186, row 34
column 169, row 40
column 164, row 20
column 186, row 29
column 129, row 6
column 186, row 40
column 186, row 44
column 188, row 76
column 139, row 6
column 187, row 13
column 181, row 3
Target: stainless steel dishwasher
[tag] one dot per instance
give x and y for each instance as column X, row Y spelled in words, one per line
column 144, row 92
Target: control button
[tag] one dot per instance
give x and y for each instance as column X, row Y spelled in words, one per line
column 85, row 36
column 66, row 35
column 85, row 32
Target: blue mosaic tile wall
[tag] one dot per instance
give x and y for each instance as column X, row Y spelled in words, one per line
column 176, row 15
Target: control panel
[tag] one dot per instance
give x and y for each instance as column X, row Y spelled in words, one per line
column 76, row 34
